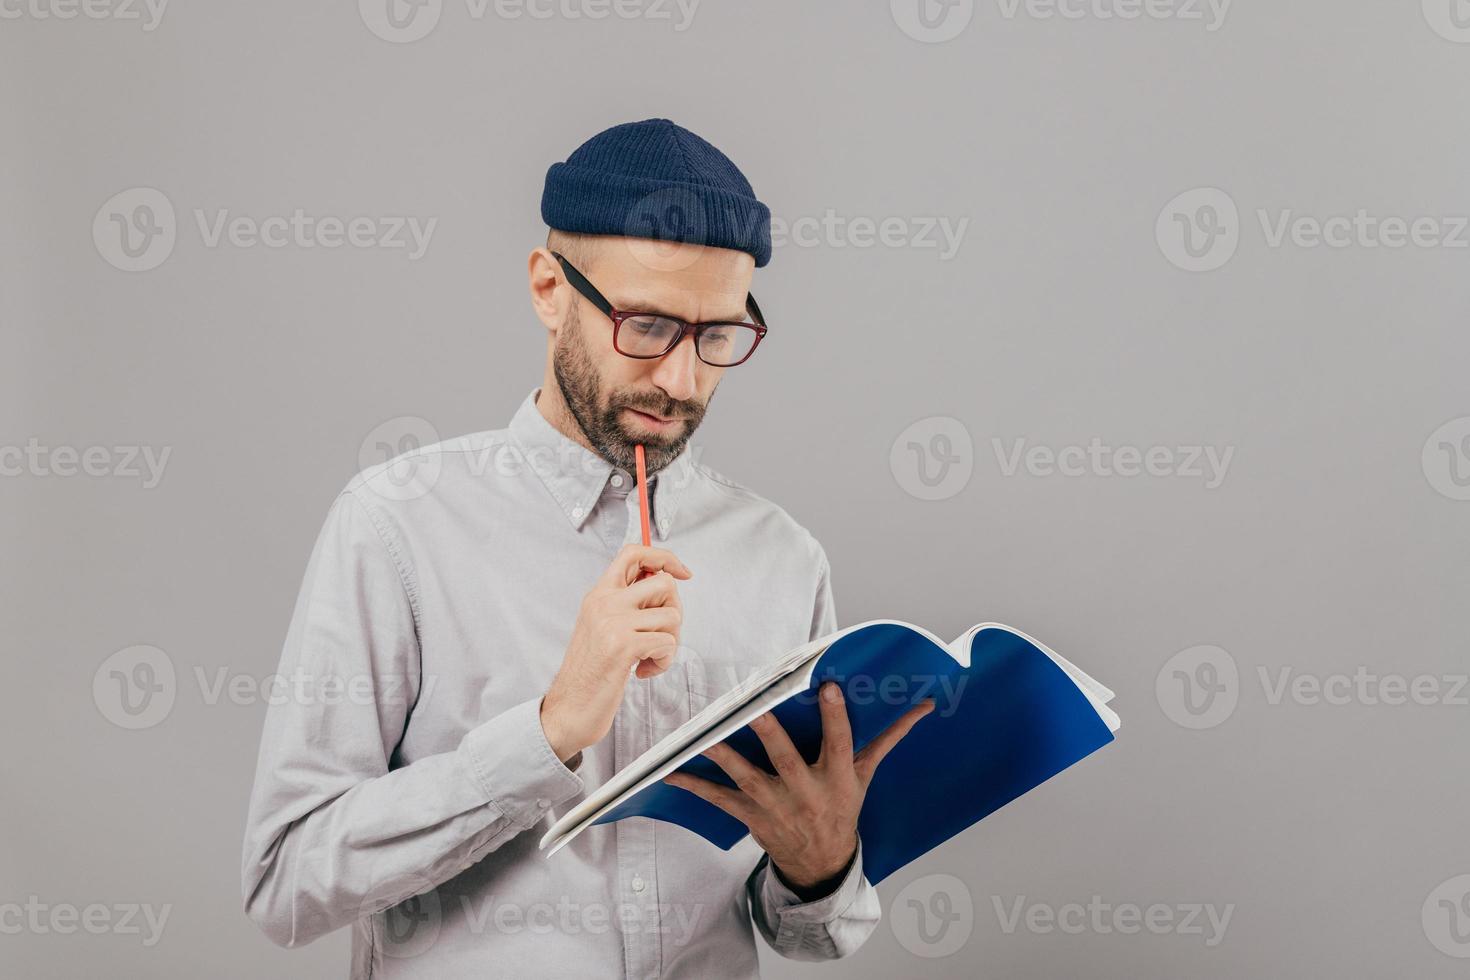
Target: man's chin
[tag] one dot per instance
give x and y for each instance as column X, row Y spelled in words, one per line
column 659, row 451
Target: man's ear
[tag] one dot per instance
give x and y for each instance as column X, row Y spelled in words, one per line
column 548, row 297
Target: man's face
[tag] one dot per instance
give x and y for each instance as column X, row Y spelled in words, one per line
column 620, row 401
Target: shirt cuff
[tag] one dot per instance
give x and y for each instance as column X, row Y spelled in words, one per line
column 516, row 768
column 786, row 905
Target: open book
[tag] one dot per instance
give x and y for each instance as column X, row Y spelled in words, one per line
column 1008, row 715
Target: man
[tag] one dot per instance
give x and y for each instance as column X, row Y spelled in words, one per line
column 486, row 597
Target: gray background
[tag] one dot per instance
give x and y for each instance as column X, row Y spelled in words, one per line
column 1328, row 546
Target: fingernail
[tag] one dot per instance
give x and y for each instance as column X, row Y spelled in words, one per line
column 832, row 692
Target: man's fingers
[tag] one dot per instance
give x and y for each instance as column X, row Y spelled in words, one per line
column 656, row 619
column 634, row 558
column 751, row 781
column 655, row 664
column 867, row 760
column 656, row 590
column 735, row 803
column 653, row 651
column 790, row 766
column 836, row 729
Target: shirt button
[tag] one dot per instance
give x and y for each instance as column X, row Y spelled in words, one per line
column 542, row 804
column 577, row 512
column 637, row 883
column 617, row 479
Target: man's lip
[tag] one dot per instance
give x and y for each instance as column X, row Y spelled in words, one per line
column 656, row 418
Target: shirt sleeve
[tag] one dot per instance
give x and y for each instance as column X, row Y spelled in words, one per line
column 335, row 829
column 824, row 928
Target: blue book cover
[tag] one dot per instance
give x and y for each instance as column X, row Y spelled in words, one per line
column 1008, row 715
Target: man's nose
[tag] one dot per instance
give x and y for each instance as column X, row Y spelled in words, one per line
column 675, row 371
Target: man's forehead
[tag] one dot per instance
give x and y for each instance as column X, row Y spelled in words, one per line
column 691, row 282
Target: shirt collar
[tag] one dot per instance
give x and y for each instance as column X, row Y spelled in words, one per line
column 575, row 476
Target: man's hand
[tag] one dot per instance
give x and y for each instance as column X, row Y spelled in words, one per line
column 621, row 622
column 804, row 817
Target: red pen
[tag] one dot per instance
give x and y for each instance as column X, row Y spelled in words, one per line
column 642, row 503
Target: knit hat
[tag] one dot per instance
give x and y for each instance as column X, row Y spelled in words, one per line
column 656, row 179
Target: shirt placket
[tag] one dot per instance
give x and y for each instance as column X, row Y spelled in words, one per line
column 636, row 889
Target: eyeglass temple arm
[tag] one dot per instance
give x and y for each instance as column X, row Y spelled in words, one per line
column 754, row 308
column 590, row 291
column 580, row 283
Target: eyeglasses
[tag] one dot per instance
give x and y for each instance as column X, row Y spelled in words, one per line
column 719, row 343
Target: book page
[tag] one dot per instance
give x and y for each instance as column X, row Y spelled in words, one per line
column 710, row 717
column 655, row 765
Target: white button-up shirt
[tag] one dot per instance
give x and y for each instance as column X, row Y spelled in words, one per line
column 404, row 785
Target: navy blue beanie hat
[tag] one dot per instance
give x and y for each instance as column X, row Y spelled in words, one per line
column 656, row 179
